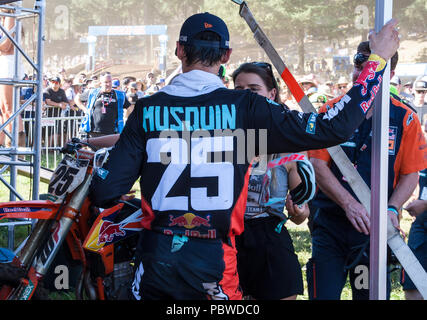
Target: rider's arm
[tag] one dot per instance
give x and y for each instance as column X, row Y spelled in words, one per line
column 292, row 131
column 103, row 141
column 123, row 167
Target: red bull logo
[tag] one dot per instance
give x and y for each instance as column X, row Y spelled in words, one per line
column 368, row 73
column 108, row 231
column 189, row 221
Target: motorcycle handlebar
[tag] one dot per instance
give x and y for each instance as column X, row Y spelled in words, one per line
column 75, row 144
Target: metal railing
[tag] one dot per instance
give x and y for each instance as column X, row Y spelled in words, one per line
column 9, row 235
column 11, row 154
column 55, row 132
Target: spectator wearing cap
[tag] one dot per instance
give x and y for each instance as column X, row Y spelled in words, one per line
column 71, row 93
column 125, row 84
column 55, row 98
column 420, row 91
column 407, row 88
column 116, row 83
column 342, row 86
column 406, row 93
column 160, row 83
column 81, row 98
column 57, row 105
column 133, row 89
column 330, row 84
column 397, row 93
column 141, row 86
column 151, row 81
column 307, row 83
column 395, row 85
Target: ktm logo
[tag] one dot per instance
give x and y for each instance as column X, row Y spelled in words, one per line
column 207, row 25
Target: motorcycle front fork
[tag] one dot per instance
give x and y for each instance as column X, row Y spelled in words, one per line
column 42, row 260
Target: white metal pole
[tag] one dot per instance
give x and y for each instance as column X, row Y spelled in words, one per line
column 379, row 172
column 41, row 8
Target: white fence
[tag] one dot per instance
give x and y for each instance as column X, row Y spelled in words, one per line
column 56, row 131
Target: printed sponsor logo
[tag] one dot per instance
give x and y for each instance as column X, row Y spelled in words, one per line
column 392, row 133
column 211, row 234
column 410, row 118
column 367, row 74
column 102, row 173
column 27, row 292
column 108, row 231
column 8, row 210
column 366, row 104
column 207, row 25
column 189, row 221
column 311, row 124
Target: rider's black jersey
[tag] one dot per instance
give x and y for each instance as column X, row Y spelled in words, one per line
column 209, row 141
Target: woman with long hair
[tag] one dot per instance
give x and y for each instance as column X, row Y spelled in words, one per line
column 267, row 264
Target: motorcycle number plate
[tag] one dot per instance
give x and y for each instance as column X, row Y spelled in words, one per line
column 69, row 174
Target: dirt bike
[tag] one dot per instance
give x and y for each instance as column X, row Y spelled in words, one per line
column 103, row 241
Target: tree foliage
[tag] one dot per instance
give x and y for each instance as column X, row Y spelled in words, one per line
column 293, row 21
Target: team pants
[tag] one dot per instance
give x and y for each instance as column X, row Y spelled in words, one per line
column 180, row 268
column 335, row 246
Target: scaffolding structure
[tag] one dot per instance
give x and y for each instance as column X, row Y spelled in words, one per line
column 9, row 155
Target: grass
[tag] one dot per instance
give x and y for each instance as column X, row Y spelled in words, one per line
column 299, row 233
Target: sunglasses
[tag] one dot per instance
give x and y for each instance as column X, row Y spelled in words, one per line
column 266, row 65
column 421, row 91
column 342, row 87
column 359, row 59
column 263, row 65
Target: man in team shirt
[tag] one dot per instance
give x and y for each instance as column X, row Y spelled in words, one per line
column 341, row 225
column 193, row 205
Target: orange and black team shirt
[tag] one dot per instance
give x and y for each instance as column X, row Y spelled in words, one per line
column 201, row 189
column 406, row 149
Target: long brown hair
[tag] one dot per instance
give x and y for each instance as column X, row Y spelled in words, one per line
column 264, row 71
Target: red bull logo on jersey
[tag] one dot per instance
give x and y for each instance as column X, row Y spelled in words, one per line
column 368, row 73
column 189, row 221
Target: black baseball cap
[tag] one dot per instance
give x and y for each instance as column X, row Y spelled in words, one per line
column 55, row 79
column 204, row 22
